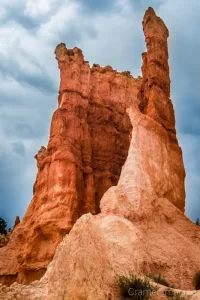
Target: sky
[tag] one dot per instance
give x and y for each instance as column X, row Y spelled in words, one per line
column 110, row 33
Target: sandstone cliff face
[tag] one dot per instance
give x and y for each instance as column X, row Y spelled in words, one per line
column 100, row 247
column 88, row 145
column 141, row 227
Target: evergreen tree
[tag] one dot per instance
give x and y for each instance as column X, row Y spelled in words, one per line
column 3, row 226
column 198, row 222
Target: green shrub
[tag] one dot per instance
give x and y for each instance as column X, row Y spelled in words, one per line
column 197, row 222
column 169, row 293
column 134, row 288
column 175, row 296
column 159, row 279
column 197, row 281
column 3, row 226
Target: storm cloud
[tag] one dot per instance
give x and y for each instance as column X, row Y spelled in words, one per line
column 109, row 33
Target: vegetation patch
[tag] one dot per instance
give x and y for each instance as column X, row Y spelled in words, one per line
column 198, row 222
column 3, row 226
column 132, row 287
column 159, row 279
column 175, row 296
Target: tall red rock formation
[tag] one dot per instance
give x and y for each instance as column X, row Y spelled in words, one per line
column 88, row 145
column 154, row 166
column 155, row 99
column 105, row 119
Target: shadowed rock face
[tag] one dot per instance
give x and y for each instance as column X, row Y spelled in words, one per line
column 105, row 120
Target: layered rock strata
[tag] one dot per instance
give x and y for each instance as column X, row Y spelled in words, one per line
column 141, row 227
column 154, row 98
column 88, row 145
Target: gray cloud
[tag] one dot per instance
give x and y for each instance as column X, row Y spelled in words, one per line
column 142, row 5
column 17, row 15
column 190, row 144
column 21, row 130
column 20, row 13
column 74, row 34
column 18, row 148
column 11, row 196
column 185, row 73
column 102, row 6
column 11, row 68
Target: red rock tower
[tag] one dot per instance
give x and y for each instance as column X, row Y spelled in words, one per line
column 88, row 145
column 100, row 112
column 155, row 99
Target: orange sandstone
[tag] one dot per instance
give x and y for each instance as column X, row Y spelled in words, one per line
column 88, row 145
column 112, row 148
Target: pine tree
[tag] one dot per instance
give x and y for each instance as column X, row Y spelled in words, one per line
column 3, row 226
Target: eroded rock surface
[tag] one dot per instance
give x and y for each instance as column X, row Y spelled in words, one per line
column 141, row 227
column 88, row 145
column 156, row 104
column 100, row 247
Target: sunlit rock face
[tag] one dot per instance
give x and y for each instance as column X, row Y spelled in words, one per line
column 112, row 152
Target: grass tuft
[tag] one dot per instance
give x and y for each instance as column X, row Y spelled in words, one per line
column 132, row 287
